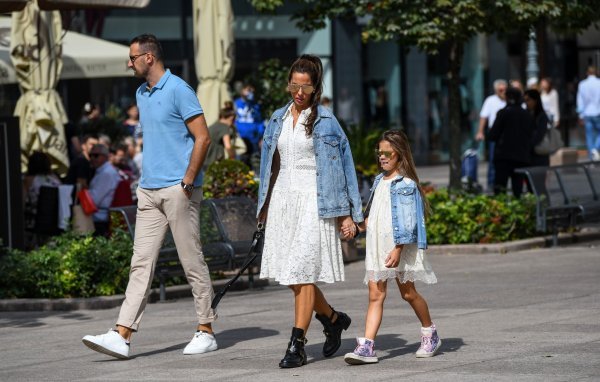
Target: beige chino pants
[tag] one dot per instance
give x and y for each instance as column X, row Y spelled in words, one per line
column 158, row 210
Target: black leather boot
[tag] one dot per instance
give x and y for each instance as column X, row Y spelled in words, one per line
column 295, row 355
column 333, row 331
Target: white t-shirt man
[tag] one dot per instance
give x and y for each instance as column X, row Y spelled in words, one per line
column 490, row 108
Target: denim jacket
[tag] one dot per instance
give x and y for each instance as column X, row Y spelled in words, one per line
column 408, row 212
column 337, row 187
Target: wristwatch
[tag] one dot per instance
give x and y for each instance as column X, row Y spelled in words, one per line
column 187, row 187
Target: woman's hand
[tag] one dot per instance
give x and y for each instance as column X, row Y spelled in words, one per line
column 393, row 259
column 346, row 227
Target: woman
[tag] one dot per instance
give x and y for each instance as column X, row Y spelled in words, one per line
column 549, row 97
column 533, row 101
column 308, row 199
column 39, row 174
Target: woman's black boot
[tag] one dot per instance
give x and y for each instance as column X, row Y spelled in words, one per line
column 333, row 331
column 295, row 355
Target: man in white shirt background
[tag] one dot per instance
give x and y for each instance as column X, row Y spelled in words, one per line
column 487, row 116
column 588, row 108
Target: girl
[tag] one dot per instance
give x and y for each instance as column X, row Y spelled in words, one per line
column 396, row 240
column 308, row 197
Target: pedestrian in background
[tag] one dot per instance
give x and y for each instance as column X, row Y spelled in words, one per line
column 306, row 158
column 550, row 103
column 396, row 243
column 512, row 132
column 588, row 108
column 249, row 121
column 487, row 116
column 175, row 143
column 534, row 103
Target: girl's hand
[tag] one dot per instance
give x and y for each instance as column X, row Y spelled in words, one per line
column 346, row 227
column 362, row 227
column 393, row 259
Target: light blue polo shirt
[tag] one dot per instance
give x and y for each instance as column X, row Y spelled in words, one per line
column 167, row 142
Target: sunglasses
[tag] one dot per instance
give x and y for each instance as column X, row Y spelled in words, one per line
column 95, row 155
column 387, row 154
column 133, row 58
column 306, row 89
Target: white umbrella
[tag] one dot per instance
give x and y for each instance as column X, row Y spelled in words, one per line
column 214, row 54
column 83, row 56
column 36, row 51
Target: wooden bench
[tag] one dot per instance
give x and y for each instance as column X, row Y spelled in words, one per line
column 567, row 195
column 226, row 229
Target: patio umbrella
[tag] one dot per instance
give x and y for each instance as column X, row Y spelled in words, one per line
column 214, row 54
column 36, row 50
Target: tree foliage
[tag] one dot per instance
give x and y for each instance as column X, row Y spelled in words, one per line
column 431, row 24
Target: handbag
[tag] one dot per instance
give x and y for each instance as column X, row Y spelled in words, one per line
column 86, row 201
column 82, row 222
column 551, row 142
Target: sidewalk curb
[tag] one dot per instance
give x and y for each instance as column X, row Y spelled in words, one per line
column 184, row 291
column 586, row 234
column 108, row 302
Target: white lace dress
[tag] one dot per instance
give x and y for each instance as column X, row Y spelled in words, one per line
column 380, row 242
column 299, row 247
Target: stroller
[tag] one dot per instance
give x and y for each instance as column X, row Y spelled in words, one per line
column 468, row 171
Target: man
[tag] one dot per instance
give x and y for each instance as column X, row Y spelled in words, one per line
column 588, row 108
column 249, row 122
column 102, row 187
column 169, row 194
column 487, row 116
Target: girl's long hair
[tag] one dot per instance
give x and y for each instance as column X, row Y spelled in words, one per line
column 406, row 165
column 311, row 65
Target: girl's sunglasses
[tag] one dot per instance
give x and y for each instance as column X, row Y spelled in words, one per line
column 387, row 154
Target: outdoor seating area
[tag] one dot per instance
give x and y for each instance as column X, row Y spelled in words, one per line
column 567, row 195
column 226, row 229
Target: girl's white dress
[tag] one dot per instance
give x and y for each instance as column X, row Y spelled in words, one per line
column 299, row 246
column 380, row 242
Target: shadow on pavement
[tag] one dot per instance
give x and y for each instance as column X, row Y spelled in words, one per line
column 231, row 337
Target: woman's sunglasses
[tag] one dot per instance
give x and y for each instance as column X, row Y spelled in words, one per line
column 387, row 154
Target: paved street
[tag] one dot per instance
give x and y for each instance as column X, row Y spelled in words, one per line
column 526, row 316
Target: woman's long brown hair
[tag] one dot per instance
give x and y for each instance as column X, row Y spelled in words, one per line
column 311, row 65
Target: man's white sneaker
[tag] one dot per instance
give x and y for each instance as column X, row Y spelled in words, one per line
column 202, row 342
column 110, row 343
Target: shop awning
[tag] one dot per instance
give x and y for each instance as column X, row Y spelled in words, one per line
column 89, row 4
column 83, row 56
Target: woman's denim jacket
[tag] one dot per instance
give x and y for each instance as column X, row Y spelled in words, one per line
column 337, row 187
column 408, row 218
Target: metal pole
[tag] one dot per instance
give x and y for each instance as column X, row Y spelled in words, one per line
column 533, row 69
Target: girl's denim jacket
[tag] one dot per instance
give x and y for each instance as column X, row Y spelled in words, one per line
column 408, row 217
column 337, row 187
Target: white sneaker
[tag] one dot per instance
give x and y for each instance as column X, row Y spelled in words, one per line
column 110, row 343
column 202, row 342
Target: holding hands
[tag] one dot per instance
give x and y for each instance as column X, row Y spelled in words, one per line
column 346, row 227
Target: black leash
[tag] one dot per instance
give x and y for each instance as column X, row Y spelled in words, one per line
column 253, row 253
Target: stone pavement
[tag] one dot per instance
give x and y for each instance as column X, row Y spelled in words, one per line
column 523, row 316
